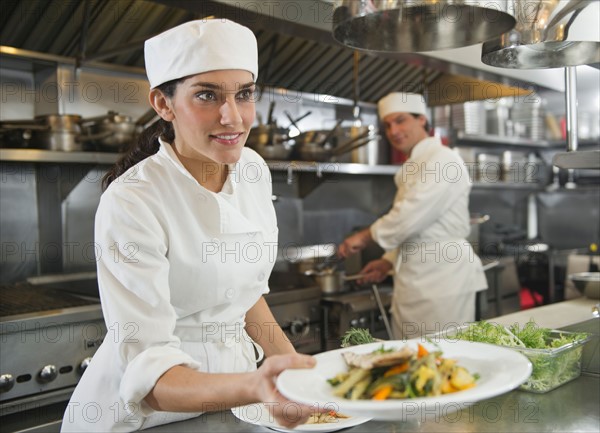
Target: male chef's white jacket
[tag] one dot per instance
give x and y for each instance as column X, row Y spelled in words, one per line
column 178, row 268
column 436, row 271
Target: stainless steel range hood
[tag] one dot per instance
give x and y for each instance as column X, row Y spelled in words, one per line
column 296, row 48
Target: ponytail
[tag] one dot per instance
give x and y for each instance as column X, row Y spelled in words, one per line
column 147, row 143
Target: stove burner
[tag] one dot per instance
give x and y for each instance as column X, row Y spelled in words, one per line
column 23, row 298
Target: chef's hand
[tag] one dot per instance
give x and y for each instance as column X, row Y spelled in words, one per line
column 285, row 413
column 375, row 271
column 354, row 243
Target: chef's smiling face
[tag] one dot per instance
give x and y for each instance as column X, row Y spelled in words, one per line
column 404, row 130
column 212, row 114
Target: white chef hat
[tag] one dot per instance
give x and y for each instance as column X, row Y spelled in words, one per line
column 398, row 102
column 200, row 46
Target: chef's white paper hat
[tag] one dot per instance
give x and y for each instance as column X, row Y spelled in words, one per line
column 398, row 102
column 200, row 46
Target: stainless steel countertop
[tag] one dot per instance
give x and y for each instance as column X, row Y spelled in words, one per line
column 573, row 407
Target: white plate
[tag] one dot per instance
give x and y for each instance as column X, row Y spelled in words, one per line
column 259, row 414
column 500, row 369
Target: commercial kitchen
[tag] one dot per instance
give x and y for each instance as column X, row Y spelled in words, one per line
column 512, row 86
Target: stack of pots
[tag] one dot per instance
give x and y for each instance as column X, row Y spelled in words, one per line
column 62, row 132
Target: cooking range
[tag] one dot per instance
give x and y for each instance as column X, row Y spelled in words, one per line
column 48, row 337
column 314, row 321
column 295, row 301
column 354, row 307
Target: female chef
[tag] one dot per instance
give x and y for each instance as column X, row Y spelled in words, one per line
column 436, row 271
column 188, row 237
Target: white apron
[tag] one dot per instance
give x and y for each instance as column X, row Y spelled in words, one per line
column 436, row 271
column 178, row 268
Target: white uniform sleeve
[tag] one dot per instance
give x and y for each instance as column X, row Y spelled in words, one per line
column 134, row 286
column 426, row 197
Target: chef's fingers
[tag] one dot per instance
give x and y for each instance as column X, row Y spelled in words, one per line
column 290, row 414
column 275, row 364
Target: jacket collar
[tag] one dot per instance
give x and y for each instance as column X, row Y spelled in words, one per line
column 424, row 147
column 231, row 220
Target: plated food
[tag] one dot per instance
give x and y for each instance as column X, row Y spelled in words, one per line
column 326, row 417
column 329, row 421
column 500, row 370
column 400, row 374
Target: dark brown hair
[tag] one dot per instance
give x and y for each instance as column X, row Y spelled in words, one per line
column 147, row 143
column 427, row 127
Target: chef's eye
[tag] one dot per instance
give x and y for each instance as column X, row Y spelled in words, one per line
column 207, row 95
column 246, row 95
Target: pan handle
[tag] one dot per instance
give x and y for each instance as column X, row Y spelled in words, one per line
column 354, row 144
column 330, row 133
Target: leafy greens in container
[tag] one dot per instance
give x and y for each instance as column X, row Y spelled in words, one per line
column 554, row 355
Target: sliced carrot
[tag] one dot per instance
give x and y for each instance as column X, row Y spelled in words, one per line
column 396, row 369
column 383, row 393
column 421, row 351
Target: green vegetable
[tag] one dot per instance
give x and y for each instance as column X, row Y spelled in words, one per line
column 551, row 366
column 356, row 336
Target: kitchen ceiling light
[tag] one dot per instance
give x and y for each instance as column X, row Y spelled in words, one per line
column 543, row 36
column 418, row 25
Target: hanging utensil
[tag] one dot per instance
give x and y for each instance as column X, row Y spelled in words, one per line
column 348, row 146
column 542, row 37
column 331, row 133
column 293, row 122
column 417, row 25
column 270, row 115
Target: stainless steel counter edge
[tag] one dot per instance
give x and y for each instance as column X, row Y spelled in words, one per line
column 571, row 407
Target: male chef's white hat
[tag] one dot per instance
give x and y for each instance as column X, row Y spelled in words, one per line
column 200, row 46
column 398, row 102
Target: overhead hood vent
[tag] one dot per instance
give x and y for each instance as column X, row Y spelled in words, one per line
column 291, row 55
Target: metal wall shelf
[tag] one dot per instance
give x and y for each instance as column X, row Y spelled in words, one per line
column 52, row 156
column 332, row 167
column 499, row 142
column 578, row 159
column 49, row 156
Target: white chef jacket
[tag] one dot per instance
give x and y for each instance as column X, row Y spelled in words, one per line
column 178, row 268
column 436, row 271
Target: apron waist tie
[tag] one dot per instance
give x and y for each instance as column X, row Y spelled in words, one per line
column 225, row 335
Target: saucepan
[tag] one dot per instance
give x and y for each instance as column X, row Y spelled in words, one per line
column 309, row 257
column 61, row 132
column 114, row 131
column 315, row 151
column 331, row 280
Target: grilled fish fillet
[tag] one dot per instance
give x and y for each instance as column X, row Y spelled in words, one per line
column 368, row 361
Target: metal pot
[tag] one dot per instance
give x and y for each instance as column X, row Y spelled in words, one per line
column 371, row 152
column 60, row 132
column 310, row 257
column 62, row 122
column 112, row 130
column 66, row 141
column 329, row 280
column 315, row 151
